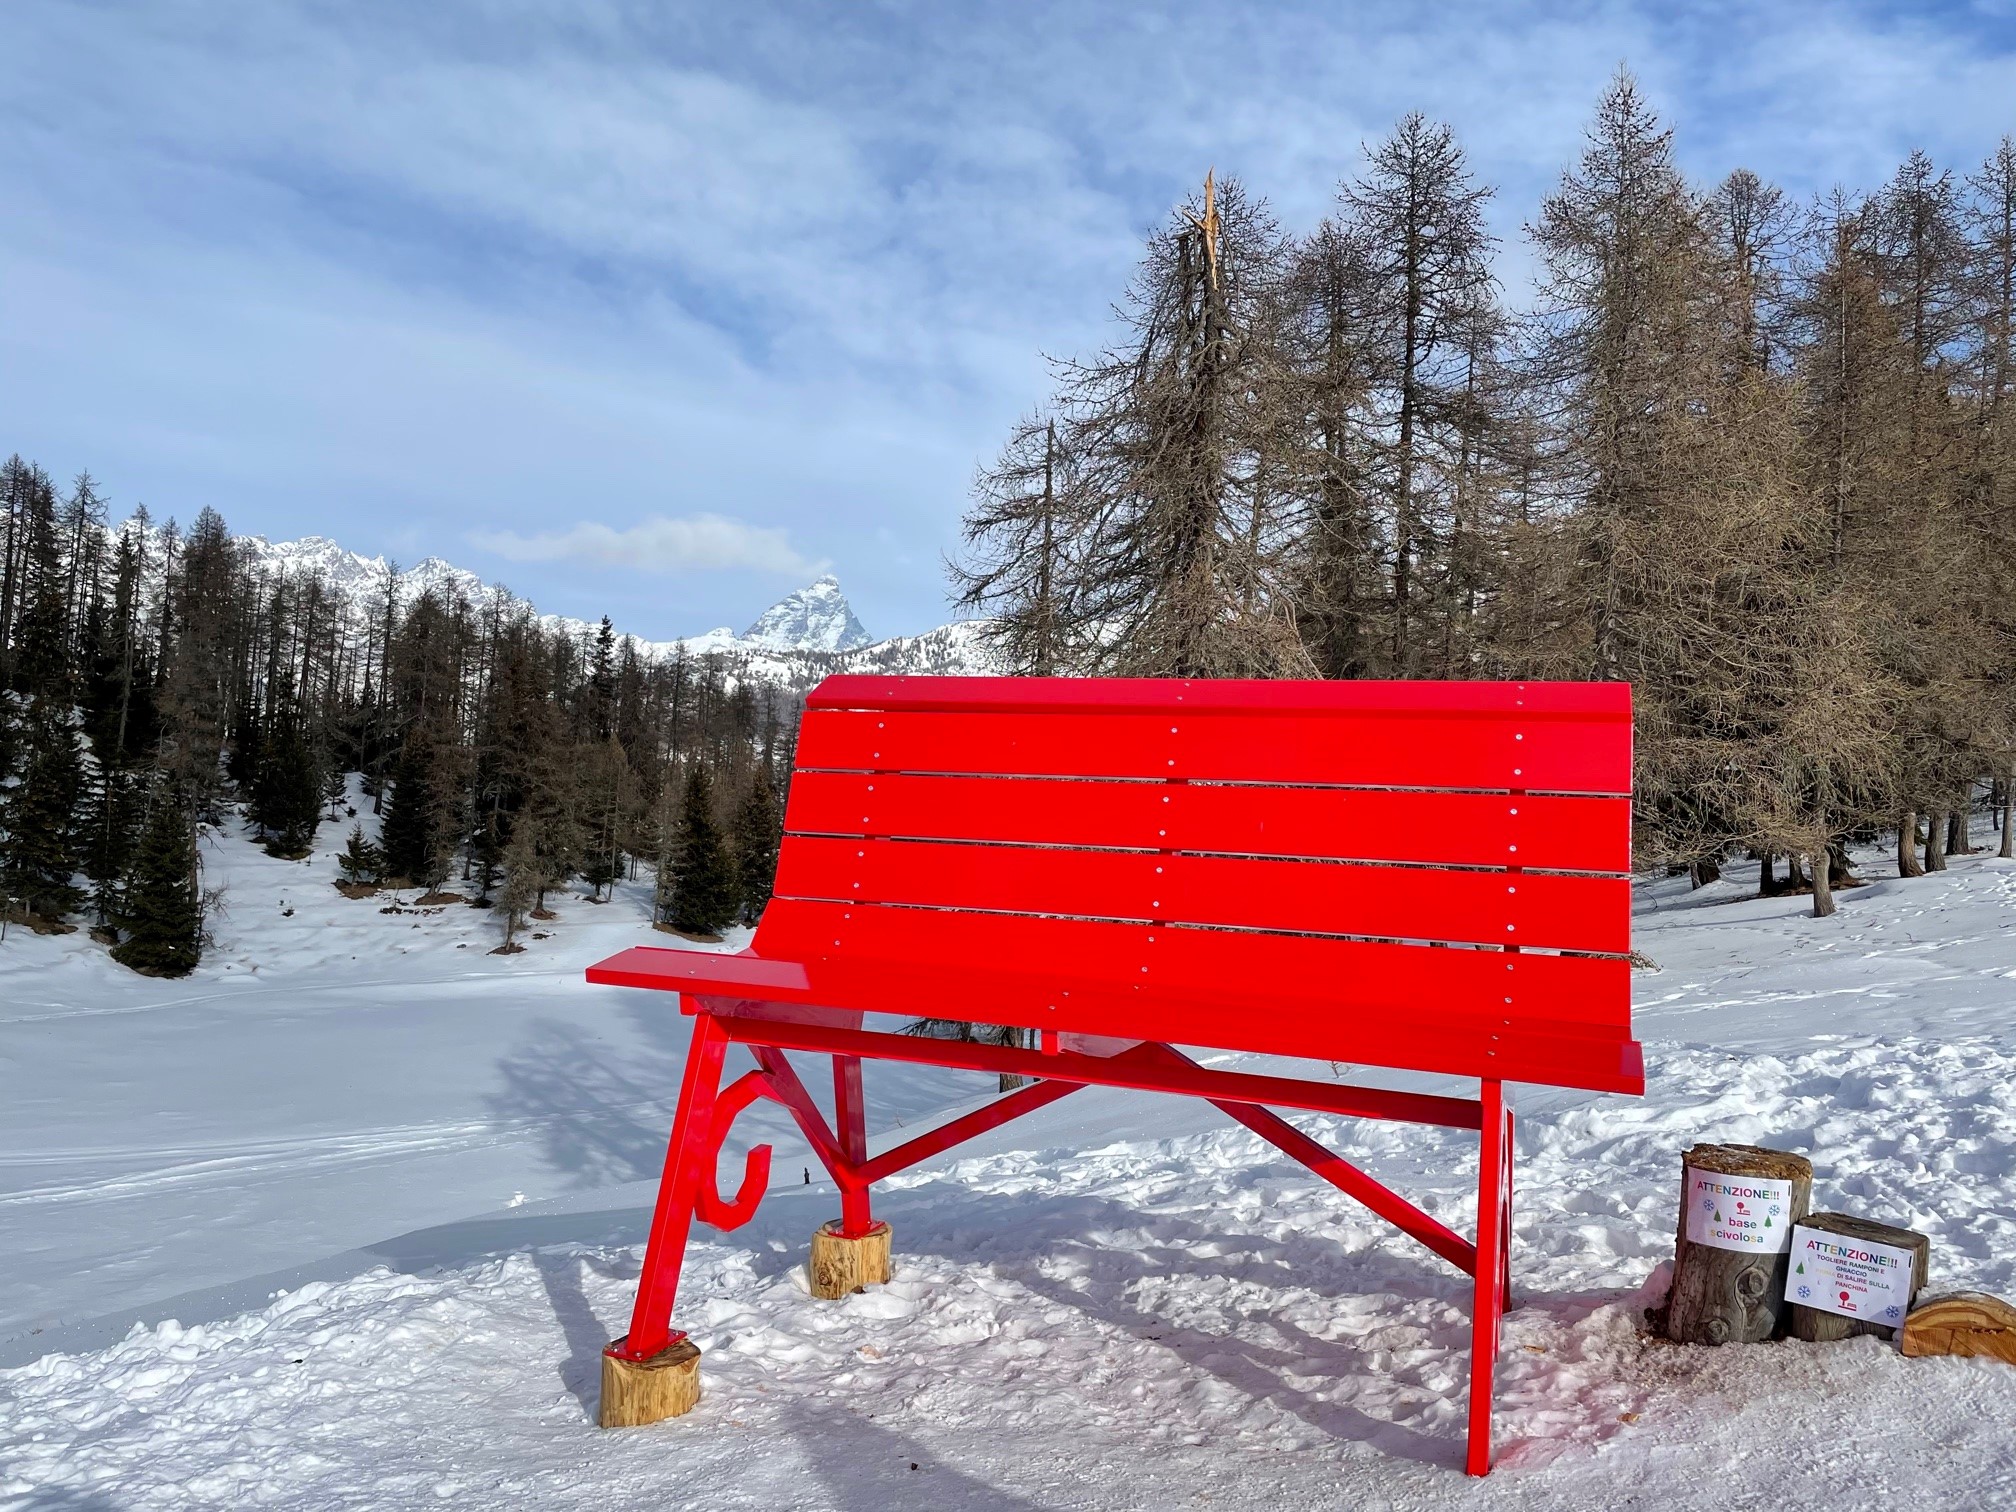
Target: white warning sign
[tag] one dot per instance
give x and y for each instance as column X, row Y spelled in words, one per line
column 1739, row 1212
column 1857, row 1278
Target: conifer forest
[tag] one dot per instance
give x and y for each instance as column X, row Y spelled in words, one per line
column 160, row 682
column 1755, row 456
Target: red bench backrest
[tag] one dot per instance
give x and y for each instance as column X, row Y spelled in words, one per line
column 1257, row 865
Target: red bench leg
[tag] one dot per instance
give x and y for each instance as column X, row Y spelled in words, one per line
column 691, row 1147
column 1505, row 1241
column 853, row 1253
column 1491, row 1279
column 850, row 1126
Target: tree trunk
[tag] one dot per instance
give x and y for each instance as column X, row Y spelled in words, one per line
column 1733, row 1296
column 1935, row 842
column 1958, row 841
column 1907, row 845
column 1816, row 1325
column 1823, row 886
column 1700, row 873
column 1767, row 876
column 1795, row 878
column 2008, row 819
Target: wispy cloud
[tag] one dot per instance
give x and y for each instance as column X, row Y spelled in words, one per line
column 692, row 543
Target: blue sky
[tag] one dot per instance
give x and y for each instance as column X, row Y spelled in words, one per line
column 659, row 308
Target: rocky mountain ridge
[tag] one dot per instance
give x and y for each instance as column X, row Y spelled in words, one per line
column 808, row 634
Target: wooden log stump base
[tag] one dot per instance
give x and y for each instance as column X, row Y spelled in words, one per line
column 840, row 1266
column 636, row 1392
column 1818, row 1326
column 1730, row 1296
column 1964, row 1323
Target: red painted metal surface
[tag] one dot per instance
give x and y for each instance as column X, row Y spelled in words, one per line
column 1541, row 911
column 1417, row 875
column 1109, row 1071
column 1490, row 1281
column 1429, row 751
column 1361, row 824
column 1530, row 1017
column 1244, row 696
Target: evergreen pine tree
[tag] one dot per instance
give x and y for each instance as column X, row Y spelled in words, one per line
column 407, row 828
column 704, row 882
column 110, row 831
column 38, row 854
column 361, row 862
column 163, row 919
column 523, row 882
column 287, row 793
column 756, row 839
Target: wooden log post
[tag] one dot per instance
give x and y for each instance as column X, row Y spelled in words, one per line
column 1816, row 1325
column 841, row 1266
column 1963, row 1323
column 1737, row 1207
column 636, row 1392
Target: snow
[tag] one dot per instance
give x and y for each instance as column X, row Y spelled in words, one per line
column 321, row 1231
column 816, row 618
column 804, row 636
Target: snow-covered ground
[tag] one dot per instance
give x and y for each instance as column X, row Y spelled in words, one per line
column 390, row 1190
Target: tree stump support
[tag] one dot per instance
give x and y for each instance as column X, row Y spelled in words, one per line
column 841, row 1266
column 1816, row 1325
column 1728, row 1296
column 636, row 1392
column 1964, row 1323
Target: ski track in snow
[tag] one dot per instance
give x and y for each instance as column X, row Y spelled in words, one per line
column 1121, row 1301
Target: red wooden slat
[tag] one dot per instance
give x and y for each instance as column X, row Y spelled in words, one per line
column 673, row 970
column 1570, row 834
column 1419, row 903
column 1535, row 1050
column 1428, row 1033
column 1235, row 695
column 1418, row 982
column 1428, row 751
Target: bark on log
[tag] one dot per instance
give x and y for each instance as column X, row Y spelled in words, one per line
column 841, row 1266
column 1964, row 1323
column 1818, row 1326
column 636, row 1392
column 1727, row 1296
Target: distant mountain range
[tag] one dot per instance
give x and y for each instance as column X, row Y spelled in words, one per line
column 806, row 635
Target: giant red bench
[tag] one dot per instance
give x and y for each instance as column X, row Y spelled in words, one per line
column 1424, row 876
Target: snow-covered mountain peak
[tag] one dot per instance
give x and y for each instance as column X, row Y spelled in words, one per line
column 801, row 638
column 815, row 618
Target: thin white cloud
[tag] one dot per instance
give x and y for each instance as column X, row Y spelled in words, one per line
column 662, row 544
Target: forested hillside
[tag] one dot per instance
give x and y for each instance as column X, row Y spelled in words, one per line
column 1754, row 456
column 158, row 680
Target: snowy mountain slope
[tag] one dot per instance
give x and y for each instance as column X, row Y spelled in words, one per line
column 806, row 635
column 816, row 618
column 1119, row 1302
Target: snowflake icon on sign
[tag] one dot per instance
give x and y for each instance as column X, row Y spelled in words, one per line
column 1893, row 1311
column 1707, row 1204
column 1804, row 1292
